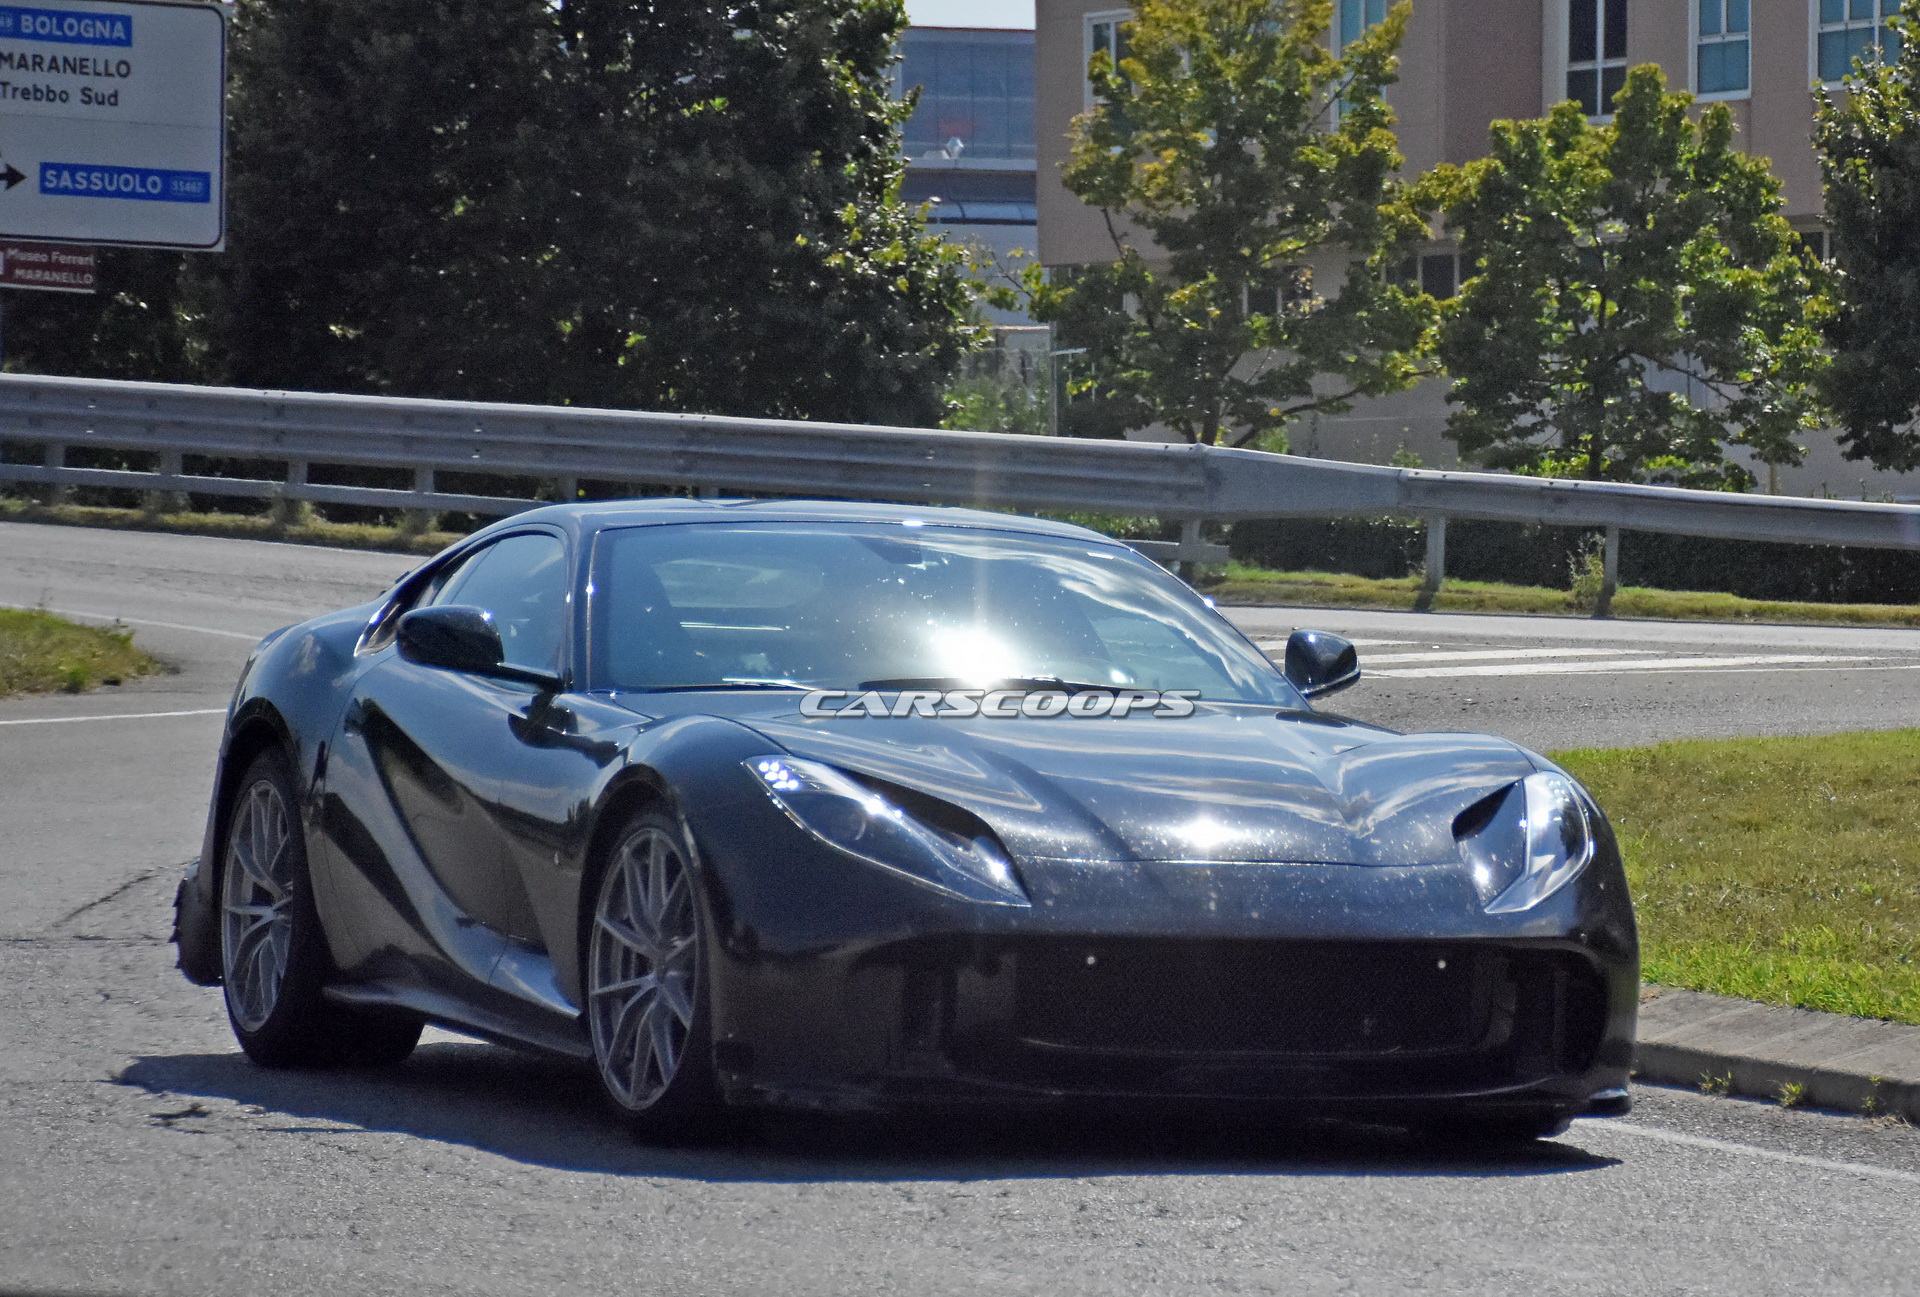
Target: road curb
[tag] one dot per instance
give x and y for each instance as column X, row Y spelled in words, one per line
column 1760, row 1051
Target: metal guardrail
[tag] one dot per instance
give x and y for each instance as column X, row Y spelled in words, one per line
column 566, row 446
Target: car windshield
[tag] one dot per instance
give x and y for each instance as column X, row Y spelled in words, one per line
column 846, row 605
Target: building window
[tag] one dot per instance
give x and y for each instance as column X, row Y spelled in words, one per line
column 1851, row 29
column 1358, row 15
column 976, row 94
column 1720, row 61
column 1107, row 34
column 1289, row 290
column 1596, row 53
column 1438, row 274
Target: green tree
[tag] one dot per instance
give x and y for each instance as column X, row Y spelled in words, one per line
column 1636, row 301
column 743, row 196
column 1869, row 144
column 388, row 230
column 679, row 204
column 1231, row 154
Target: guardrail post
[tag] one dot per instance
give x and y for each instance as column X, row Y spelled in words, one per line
column 54, row 455
column 418, row 522
column 1189, row 551
column 163, row 501
column 1609, row 574
column 1436, row 562
column 567, row 488
column 1194, row 549
column 287, row 508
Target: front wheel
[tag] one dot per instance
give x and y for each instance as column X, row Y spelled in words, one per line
column 646, row 985
column 273, row 958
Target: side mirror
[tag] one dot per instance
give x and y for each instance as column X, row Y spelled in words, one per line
column 456, row 637
column 1317, row 663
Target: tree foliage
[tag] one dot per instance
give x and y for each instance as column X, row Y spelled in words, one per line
column 1636, row 301
column 669, row 204
column 1869, row 144
column 1232, row 154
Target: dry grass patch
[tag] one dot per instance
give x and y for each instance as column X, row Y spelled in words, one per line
column 40, row 652
column 306, row 530
column 1240, row 584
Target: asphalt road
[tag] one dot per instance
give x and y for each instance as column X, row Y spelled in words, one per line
column 1564, row 682
column 140, row 1154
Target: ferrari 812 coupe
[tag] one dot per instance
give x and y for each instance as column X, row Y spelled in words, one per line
column 865, row 807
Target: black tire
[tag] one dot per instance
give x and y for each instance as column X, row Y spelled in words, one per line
column 273, row 952
column 652, row 1047
column 1519, row 1126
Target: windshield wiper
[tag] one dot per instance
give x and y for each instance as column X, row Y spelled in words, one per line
column 944, row 683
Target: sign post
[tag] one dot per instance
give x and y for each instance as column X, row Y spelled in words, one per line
column 113, row 124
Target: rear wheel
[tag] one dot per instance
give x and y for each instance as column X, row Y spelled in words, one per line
column 273, row 952
column 646, row 983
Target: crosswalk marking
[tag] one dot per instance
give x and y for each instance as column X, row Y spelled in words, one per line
column 1357, row 643
column 1469, row 655
column 1618, row 664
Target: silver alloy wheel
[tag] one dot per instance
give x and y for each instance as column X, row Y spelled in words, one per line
column 641, row 964
column 256, row 919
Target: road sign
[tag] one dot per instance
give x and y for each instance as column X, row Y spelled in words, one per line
column 112, row 122
column 52, row 267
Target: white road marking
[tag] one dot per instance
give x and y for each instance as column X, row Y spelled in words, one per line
column 1357, row 643
column 1754, row 1150
column 142, row 621
column 1468, row 655
column 116, row 716
column 1633, row 664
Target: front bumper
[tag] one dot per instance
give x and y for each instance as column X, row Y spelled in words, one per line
column 1327, row 987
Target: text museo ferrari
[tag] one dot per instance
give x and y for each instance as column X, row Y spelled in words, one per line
column 998, row 704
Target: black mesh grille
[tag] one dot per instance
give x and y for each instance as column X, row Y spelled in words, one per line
column 1306, row 999
column 1261, row 1018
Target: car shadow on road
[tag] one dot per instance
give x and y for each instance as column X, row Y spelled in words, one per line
column 550, row 1113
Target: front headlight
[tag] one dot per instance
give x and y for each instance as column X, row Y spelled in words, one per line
column 1557, row 840
column 849, row 816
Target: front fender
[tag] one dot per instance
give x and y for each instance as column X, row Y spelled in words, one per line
column 288, row 694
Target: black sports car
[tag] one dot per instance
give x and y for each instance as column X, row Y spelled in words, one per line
column 846, row 806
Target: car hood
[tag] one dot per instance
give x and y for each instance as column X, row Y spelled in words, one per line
column 1230, row 783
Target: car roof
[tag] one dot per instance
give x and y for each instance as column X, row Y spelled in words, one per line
column 598, row 515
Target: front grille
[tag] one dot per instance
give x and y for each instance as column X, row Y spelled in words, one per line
column 1316, row 1000
column 1140, row 1015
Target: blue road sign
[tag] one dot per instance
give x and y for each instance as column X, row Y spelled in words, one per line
column 80, row 180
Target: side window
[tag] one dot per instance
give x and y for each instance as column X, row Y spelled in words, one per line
column 523, row 581
column 449, row 578
column 418, row 594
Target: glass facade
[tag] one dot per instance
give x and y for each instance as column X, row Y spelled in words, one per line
column 1596, row 53
column 1721, row 62
column 1854, row 29
column 976, row 89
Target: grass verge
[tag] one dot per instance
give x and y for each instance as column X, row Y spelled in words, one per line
column 41, row 652
column 1241, row 584
column 1784, row 870
column 307, row 530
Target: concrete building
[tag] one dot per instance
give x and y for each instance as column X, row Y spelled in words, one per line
column 1466, row 63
